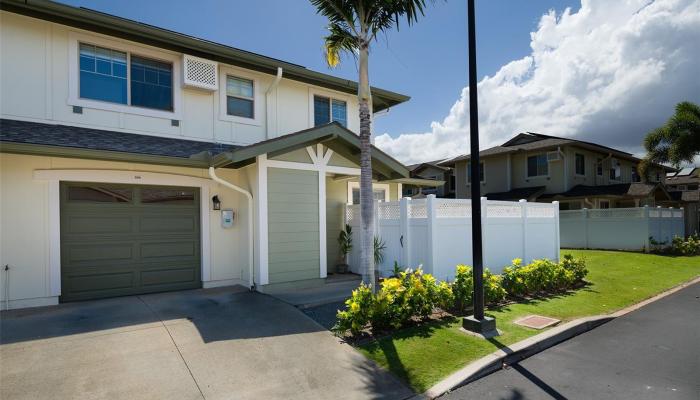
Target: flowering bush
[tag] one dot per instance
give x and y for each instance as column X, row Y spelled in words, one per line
column 542, row 276
column 685, row 247
column 462, row 287
column 358, row 311
column 415, row 294
column 411, row 294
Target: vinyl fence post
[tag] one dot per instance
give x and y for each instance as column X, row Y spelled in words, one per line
column 584, row 211
column 376, row 234
column 484, row 229
column 647, row 224
column 555, row 207
column 405, row 238
column 432, row 234
column 523, row 228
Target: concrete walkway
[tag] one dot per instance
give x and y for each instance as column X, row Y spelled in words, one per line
column 651, row 353
column 337, row 288
column 215, row 344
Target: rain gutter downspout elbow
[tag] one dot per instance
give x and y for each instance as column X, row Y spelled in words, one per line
column 249, row 196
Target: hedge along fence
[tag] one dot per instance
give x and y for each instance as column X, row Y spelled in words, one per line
column 436, row 233
column 415, row 295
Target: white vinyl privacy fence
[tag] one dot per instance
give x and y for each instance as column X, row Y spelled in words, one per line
column 620, row 228
column 436, row 233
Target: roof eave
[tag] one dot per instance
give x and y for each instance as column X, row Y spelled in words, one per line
column 105, row 155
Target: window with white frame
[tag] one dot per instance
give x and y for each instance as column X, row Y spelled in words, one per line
column 380, row 192
column 615, row 172
column 328, row 110
column 599, row 167
column 481, row 172
column 240, row 97
column 537, row 165
column 580, row 161
column 103, row 76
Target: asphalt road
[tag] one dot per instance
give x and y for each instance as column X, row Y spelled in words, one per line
column 651, row 353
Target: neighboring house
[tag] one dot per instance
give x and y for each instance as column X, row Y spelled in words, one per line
column 109, row 129
column 431, row 171
column 578, row 174
column 684, row 188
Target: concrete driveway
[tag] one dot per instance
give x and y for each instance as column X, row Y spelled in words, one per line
column 215, row 344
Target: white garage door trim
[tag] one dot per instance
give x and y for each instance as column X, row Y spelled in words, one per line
column 55, row 176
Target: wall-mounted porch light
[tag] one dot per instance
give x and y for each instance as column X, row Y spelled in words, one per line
column 216, row 203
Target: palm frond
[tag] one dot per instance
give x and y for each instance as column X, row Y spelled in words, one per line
column 339, row 40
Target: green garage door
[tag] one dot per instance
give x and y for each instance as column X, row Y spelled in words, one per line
column 121, row 240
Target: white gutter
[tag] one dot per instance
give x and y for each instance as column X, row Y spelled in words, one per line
column 251, row 261
column 272, row 87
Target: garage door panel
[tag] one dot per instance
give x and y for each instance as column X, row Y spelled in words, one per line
column 113, row 248
column 168, row 224
column 95, row 224
column 167, row 249
column 92, row 283
column 169, row 276
column 98, row 252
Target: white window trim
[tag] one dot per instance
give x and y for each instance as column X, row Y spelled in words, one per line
column 74, row 99
column 536, row 176
column 258, row 96
column 466, row 173
column 331, row 95
column 356, row 185
column 584, row 165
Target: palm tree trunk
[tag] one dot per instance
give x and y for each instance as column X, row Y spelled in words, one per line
column 366, row 195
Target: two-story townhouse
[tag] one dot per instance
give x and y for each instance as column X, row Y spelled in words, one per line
column 684, row 188
column 576, row 173
column 136, row 159
column 431, row 171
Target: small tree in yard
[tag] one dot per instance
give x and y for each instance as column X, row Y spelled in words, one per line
column 353, row 25
column 675, row 142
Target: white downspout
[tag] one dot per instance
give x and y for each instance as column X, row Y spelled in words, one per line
column 273, row 86
column 566, row 169
column 251, row 263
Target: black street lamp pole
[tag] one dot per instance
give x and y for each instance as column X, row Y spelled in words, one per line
column 476, row 323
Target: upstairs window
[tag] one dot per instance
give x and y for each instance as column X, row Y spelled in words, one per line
column 635, row 175
column 537, row 166
column 580, row 164
column 240, row 97
column 151, row 84
column 599, row 167
column 481, row 172
column 103, row 74
column 103, row 77
column 615, row 173
column 328, row 110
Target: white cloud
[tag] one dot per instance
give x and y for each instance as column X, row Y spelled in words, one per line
column 607, row 73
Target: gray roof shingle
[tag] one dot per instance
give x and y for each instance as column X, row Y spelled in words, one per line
column 96, row 139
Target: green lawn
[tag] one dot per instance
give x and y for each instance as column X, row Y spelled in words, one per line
column 424, row 355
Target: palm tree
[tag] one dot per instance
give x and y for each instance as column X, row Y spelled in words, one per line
column 677, row 141
column 353, row 25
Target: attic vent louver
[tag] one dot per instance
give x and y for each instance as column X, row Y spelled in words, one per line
column 199, row 73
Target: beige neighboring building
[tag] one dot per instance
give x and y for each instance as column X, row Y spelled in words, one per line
column 684, row 188
column 431, row 170
column 545, row 168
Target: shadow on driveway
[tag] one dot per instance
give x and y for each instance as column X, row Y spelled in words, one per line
column 207, row 343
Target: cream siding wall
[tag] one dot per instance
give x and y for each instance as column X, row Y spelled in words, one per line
column 24, row 222
column 35, row 70
column 293, row 225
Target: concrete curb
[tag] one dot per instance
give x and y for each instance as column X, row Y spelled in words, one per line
column 533, row 345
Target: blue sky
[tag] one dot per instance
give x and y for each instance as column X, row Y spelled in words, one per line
column 427, row 61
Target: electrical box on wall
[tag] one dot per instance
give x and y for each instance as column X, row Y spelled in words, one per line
column 227, row 216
